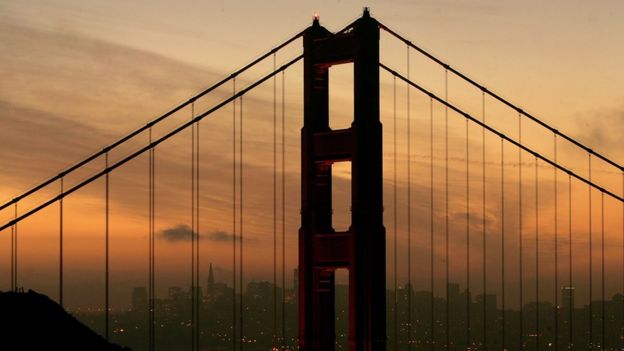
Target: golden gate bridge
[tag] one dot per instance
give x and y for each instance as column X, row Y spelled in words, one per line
column 477, row 201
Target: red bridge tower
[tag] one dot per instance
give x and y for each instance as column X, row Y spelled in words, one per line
column 362, row 248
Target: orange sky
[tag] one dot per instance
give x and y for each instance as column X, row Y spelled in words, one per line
column 79, row 74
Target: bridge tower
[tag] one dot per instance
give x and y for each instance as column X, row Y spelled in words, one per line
column 361, row 249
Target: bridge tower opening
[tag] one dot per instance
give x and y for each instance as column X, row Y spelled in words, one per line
column 361, row 249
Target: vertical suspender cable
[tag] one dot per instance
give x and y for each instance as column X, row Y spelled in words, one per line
column 520, row 243
column 193, row 294
column 591, row 273
column 446, row 213
column 409, row 211
column 483, row 226
column 15, row 250
column 622, row 344
column 106, row 249
column 284, row 212
column 149, row 249
column 537, row 286
column 234, row 186
column 556, row 245
column 602, row 271
column 431, row 263
column 570, row 302
column 394, row 212
column 152, row 204
column 61, row 245
column 274, row 206
column 240, row 221
column 502, row 145
column 468, row 302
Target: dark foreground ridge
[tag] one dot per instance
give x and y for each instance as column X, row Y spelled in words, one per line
column 31, row 321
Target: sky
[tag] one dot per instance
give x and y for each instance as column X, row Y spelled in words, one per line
column 77, row 75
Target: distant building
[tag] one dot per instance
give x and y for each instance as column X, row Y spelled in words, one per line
column 210, row 288
column 567, row 297
column 214, row 290
column 139, row 299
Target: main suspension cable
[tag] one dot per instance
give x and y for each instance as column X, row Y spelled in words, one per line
column 500, row 134
column 499, row 98
column 159, row 119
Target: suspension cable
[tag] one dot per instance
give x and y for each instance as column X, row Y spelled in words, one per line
column 106, row 250
column 500, row 99
column 153, row 144
column 502, row 146
column 394, row 211
column 61, row 245
column 431, row 227
column 556, row 219
column 500, row 134
column 483, row 225
column 446, row 215
column 537, row 285
column 409, row 211
column 159, row 119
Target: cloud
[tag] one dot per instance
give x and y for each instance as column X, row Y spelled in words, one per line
column 182, row 233
column 179, row 233
column 219, row 236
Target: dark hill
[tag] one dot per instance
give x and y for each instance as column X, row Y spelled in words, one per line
column 31, row 321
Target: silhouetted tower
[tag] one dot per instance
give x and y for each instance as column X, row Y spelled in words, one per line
column 361, row 249
column 211, row 282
